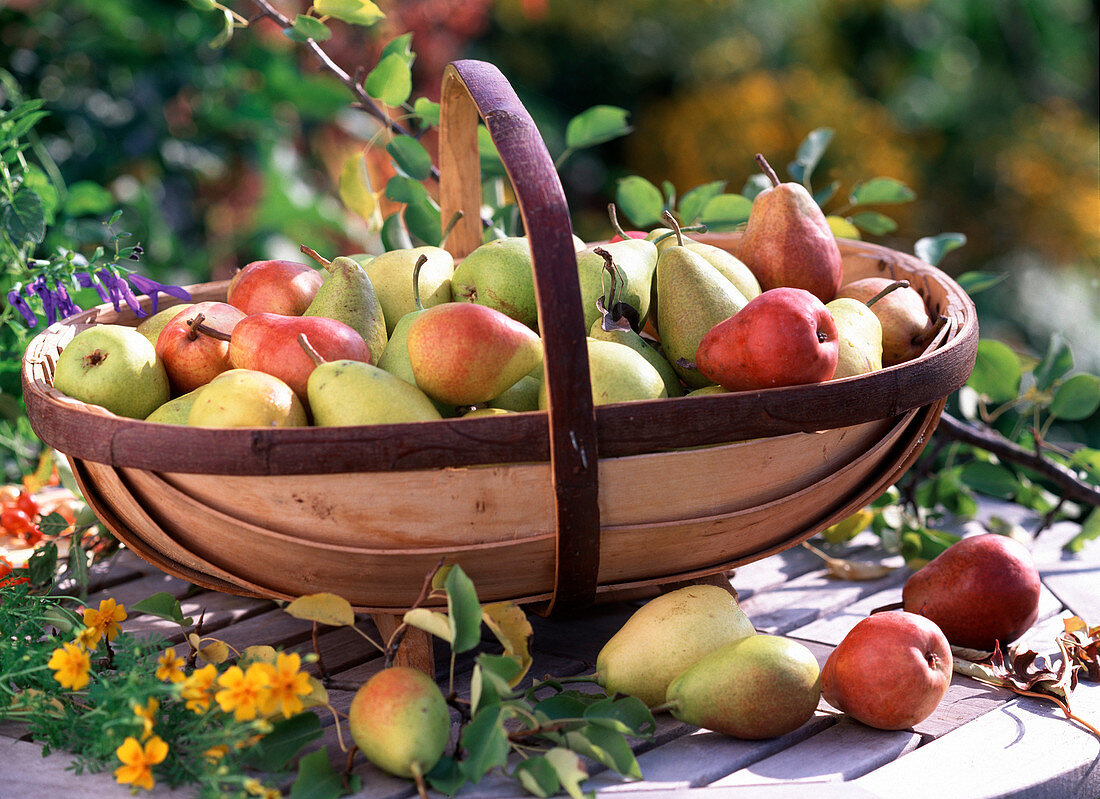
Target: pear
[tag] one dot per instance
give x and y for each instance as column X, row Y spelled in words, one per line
column 523, row 395
column 666, row 636
column 759, row 687
column 347, row 295
column 612, row 327
column 694, row 298
column 906, row 324
column 151, row 326
column 859, row 338
column 706, row 390
column 391, row 275
column 788, row 242
column 466, row 354
column 246, row 398
column 499, row 275
column 725, row 262
column 113, row 366
column 618, row 374
column 400, row 721
column 477, row 413
column 175, row 411
column 637, row 262
column 347, row 392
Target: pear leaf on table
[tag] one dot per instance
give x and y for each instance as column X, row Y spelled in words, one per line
column 570, row 771
column 607, row 747
column 486, row 742
column 1082, row 644
column 509, row 624
column 538, row 776
column 323, row 608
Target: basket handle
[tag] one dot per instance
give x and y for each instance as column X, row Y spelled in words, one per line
column 473, row 88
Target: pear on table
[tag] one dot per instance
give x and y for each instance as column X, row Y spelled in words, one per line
column 246, row 398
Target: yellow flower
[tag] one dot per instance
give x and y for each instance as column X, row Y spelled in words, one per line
column 138, row 761
column 244, row 692
column 71, row 664
column 215, row 753
column 147, row 714
column 105, row 620
column 257, row 788
column 87, row 638
column 198, row 688
column 288, row 685
column 170, row 667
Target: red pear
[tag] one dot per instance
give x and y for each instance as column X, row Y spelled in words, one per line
column 192, row 358
column 283, row 287
column 890, row 671
column 980, row 590
column 268, row 342
column 782, row 337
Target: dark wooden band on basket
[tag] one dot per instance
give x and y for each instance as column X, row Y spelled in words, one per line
column 471, row 88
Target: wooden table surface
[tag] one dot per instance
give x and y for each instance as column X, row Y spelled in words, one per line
column 980, row 742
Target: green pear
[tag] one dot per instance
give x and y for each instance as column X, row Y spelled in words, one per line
column 175, row 411
column 523, row 395
column 115, row 367
column 477, row 413
column 617, row 374
column 391, row 275
column 705, row 390
column 400, row 721
column 247, row 398
column 637, row 262
column 347, row 295
column 151, row 326
column 759, row 687
column 610, row 327
column 725, row 262
column 694, row 298
column 859, row 334
column 666, row 636
column 348, row 393
column 499, row 275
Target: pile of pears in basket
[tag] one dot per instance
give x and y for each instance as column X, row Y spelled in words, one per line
column 408, row 336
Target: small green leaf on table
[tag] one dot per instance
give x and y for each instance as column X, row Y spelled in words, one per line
column 164, row 606
column 286, row 739
column 316, row 778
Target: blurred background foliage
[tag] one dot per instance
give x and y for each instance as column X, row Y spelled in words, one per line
column 986, row 108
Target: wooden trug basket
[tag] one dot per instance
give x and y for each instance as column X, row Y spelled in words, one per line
column 555, row 508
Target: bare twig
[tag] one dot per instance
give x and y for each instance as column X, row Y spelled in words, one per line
column 399, row 634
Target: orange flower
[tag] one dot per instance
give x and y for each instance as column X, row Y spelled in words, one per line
column 105, row 620
column 198, row 688
column 147, row 713
column 288, row 685
column 244, row 692
column 71, row 665
column 257, row 788
column 170, row 667
column 138, row 761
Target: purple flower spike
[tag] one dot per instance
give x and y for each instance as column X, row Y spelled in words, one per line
column 65, row 305
column 49, row 303
column 16, row 301
column 153, row 289
column 87, row 281
column 119, row 291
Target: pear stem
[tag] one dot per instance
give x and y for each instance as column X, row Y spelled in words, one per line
column 312, row 353
column 616, row 280
column 700, row 228
column 667, row 707
column 206, row 330
column 194, row 324
column 613, row 213
column 897, row 284
column 312, row 253
column 766, row 168
column 416, row 281
column 668, row 217
column 457, row 215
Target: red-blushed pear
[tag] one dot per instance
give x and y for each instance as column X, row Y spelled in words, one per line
column 782, row 337
column 192, row 358
column 788, row 242
column 268, row 342
column 283, row 287
column 890, row 671
column 906, row 325
column 464, row 354
column 980, row 590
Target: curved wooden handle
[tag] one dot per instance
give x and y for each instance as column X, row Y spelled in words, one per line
column 470, row 89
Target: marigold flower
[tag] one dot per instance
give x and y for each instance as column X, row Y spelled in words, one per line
column 257, row 788
column 138, row 761
column 216, row 753
column 105, row 620
column 71, row 665
column 288, row 685
column 198, row 688
column 170, row 667
column 147, row 714
column 244, row 692
column 87, row 638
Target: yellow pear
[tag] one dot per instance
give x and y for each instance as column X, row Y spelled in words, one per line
column 247, row 398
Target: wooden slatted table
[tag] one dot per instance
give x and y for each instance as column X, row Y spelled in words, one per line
column 981, row 741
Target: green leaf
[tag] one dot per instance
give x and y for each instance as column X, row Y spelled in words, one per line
column 809, row 155
column 881, row 191
column 316, row 778
column 627, row 715
column 390, row 82
column 39, row 182
column 203, row 5
column 42, row 565
column 423, row 220
column 405, row 190
column 162, row 605
column 1087, row 459
column 355, row 188
column 229, row 25
column 410, row 157
column 874, row 223
column 1090, row 531
column 286, row 739
column 755, row 184
column 323, row 608
column 726, row 211
column 1077, row 398
column 463, row 609
column 24, row 218
column 997, row 372
column 394, row 235
column 975, row 281
column 570, row 771
column 991, row 479
column 78, row 563
column 932, row 249
column 607, row 747
column 509, row 624
column 562, row 706
column 491, row 165
column 822, row 196
column 427, row 110
column 694, row 201
column 306, row 28
column 920, row 546
column 399, row 45
column 53, row 524
column 20, row 127
column 1056, row 363
column 596, row 125
column 640, row 201
column 354, row 12
column 486, row 743
column 88, row 197
column 669, row 193
column 538, row 776
column 446, row 776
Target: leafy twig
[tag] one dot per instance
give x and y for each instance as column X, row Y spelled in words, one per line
column 399, row 634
